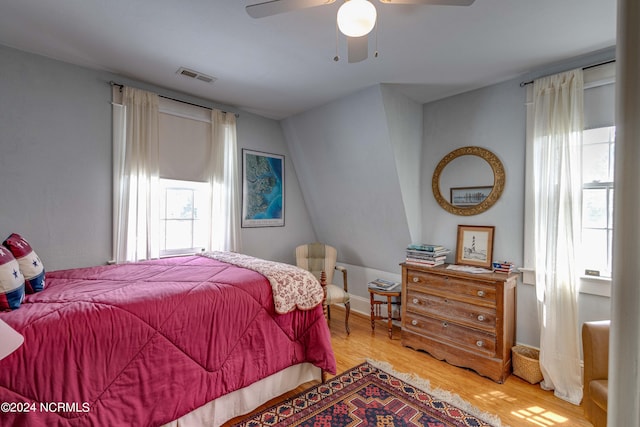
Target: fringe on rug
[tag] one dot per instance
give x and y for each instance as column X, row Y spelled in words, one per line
column 438, row 393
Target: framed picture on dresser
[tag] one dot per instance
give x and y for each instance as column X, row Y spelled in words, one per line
column 475, row 245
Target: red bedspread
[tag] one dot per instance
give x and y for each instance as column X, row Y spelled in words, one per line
column 143, row 344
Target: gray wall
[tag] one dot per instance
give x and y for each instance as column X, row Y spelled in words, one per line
column 492, row 118
column 363, row 164
column 275, row 243
column 362, row 175
column 404, row 121
column 55, row 163
column 55, row 159
column 346, row 166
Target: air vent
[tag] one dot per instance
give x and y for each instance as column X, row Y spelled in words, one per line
column 195, row 75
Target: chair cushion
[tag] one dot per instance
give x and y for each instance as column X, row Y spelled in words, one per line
column 599, row 391
column 336, row 295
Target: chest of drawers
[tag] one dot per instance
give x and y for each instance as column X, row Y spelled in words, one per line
column 465, row 319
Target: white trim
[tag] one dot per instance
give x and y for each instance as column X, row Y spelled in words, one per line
column 184, row 116
column 362, row 306
column 184, row 110
column 600, row 286
column 599, row 76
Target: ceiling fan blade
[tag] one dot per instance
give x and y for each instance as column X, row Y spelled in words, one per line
column 357, row 48
column 433, row 2
column 274, row 7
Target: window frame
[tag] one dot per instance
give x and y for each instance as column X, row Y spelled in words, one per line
column 166, row 185
column 608, row 186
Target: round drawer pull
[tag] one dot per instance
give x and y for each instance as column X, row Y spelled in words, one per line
column 415, row 301
column 480, row 343
column 480, row 318
column 416, row 280
column 414, row 322
column 480, row 293
column 445, row 324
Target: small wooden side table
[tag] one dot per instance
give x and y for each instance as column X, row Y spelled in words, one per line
column 376, row 307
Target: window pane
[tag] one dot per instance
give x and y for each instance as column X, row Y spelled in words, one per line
column 594, row 208
column 597, row 199
column 179, row 234
column 185, row 217
column 595, row 162
column 200, row 234
column 596, row 135
column 179, row 203
column 595, row 250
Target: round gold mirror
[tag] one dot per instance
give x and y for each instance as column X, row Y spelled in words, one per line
column 472, row 178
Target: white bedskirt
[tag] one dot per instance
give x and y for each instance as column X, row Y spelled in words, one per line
column 245, row 400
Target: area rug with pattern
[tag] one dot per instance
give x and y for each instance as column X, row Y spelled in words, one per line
column 372, row 394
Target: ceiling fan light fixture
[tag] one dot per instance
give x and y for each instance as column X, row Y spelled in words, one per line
column 356, row 18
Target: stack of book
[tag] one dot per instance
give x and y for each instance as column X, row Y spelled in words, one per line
column 503, row 267
column 384, row 285
column 426, row 255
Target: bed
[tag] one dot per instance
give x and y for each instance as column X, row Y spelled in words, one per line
column 179, row 341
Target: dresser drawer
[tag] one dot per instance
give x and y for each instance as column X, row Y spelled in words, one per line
column 473, row 339
column 474, row 316
column 476, row 292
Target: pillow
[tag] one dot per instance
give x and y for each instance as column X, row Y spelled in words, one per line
column 30, row 265
column 11, row 281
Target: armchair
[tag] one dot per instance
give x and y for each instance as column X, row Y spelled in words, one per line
column 318, row 257
column 595, row 348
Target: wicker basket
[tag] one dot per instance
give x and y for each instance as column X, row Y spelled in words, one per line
column 526, row 363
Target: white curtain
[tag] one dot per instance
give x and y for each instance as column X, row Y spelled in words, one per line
column 136, row 176
column 225, row 205
column 558, row 124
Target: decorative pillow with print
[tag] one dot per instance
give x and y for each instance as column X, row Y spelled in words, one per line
column 30, row 265
column 11, row 281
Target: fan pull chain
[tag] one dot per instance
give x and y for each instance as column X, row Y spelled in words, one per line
column 336, row 58
column 375, row 54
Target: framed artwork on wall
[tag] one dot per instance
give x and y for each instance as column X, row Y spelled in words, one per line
column 262, row 189
column 475, row 245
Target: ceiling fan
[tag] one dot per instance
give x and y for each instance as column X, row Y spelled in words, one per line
column 356, row 18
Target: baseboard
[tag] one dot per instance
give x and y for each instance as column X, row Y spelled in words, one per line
column 362, row 307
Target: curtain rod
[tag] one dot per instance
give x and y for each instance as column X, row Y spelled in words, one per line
column 523, row 84
column 120, row 85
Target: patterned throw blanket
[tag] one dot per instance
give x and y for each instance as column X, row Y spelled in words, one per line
column 292, row 286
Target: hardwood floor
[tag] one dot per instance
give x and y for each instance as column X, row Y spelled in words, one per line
column 516, row 402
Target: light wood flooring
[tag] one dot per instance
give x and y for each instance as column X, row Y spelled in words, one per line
column 516, row 402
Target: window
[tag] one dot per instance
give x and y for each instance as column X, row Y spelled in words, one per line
column 184, row 217
column 597, row 200
column 184, row 133
column 595, row 247
column 173, row 215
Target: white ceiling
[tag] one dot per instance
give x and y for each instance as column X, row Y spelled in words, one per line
column 282, row 65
